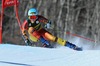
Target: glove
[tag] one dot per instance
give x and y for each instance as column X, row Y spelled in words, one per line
column 28, row 42
column 48, row 25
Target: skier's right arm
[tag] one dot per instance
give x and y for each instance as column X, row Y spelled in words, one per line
column 24, row 29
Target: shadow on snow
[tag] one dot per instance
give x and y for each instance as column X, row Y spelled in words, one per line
column 14, row 63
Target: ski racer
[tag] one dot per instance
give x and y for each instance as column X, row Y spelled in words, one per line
column 36, row 32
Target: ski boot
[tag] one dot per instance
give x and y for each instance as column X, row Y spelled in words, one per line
column 45, row 43
column 72, row 46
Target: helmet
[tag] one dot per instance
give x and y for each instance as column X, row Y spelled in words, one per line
column 32, row 11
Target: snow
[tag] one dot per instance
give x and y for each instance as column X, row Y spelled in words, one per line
column 16, row 55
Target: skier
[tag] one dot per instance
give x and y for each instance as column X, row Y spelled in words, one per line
column 37, row 33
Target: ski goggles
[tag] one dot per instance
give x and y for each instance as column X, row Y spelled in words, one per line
column 32, row 17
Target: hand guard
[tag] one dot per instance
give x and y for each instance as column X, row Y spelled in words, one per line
column 48, row 25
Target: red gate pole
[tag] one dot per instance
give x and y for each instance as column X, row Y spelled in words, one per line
column 0, row 29
column 16, row 11
column 1, row 20
column 8, row 3
column 80, row 36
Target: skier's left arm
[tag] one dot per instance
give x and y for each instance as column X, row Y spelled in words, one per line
column 46, row 21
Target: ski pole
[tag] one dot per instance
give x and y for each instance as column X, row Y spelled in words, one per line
column 80, row 36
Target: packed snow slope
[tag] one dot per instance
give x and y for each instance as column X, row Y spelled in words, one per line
column 15, row 55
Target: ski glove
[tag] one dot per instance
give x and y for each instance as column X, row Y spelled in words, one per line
column 48, row 25
column 28, row 42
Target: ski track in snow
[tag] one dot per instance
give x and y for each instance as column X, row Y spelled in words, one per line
column 15, row 55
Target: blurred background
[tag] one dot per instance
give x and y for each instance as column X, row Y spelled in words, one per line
column 79, row 17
